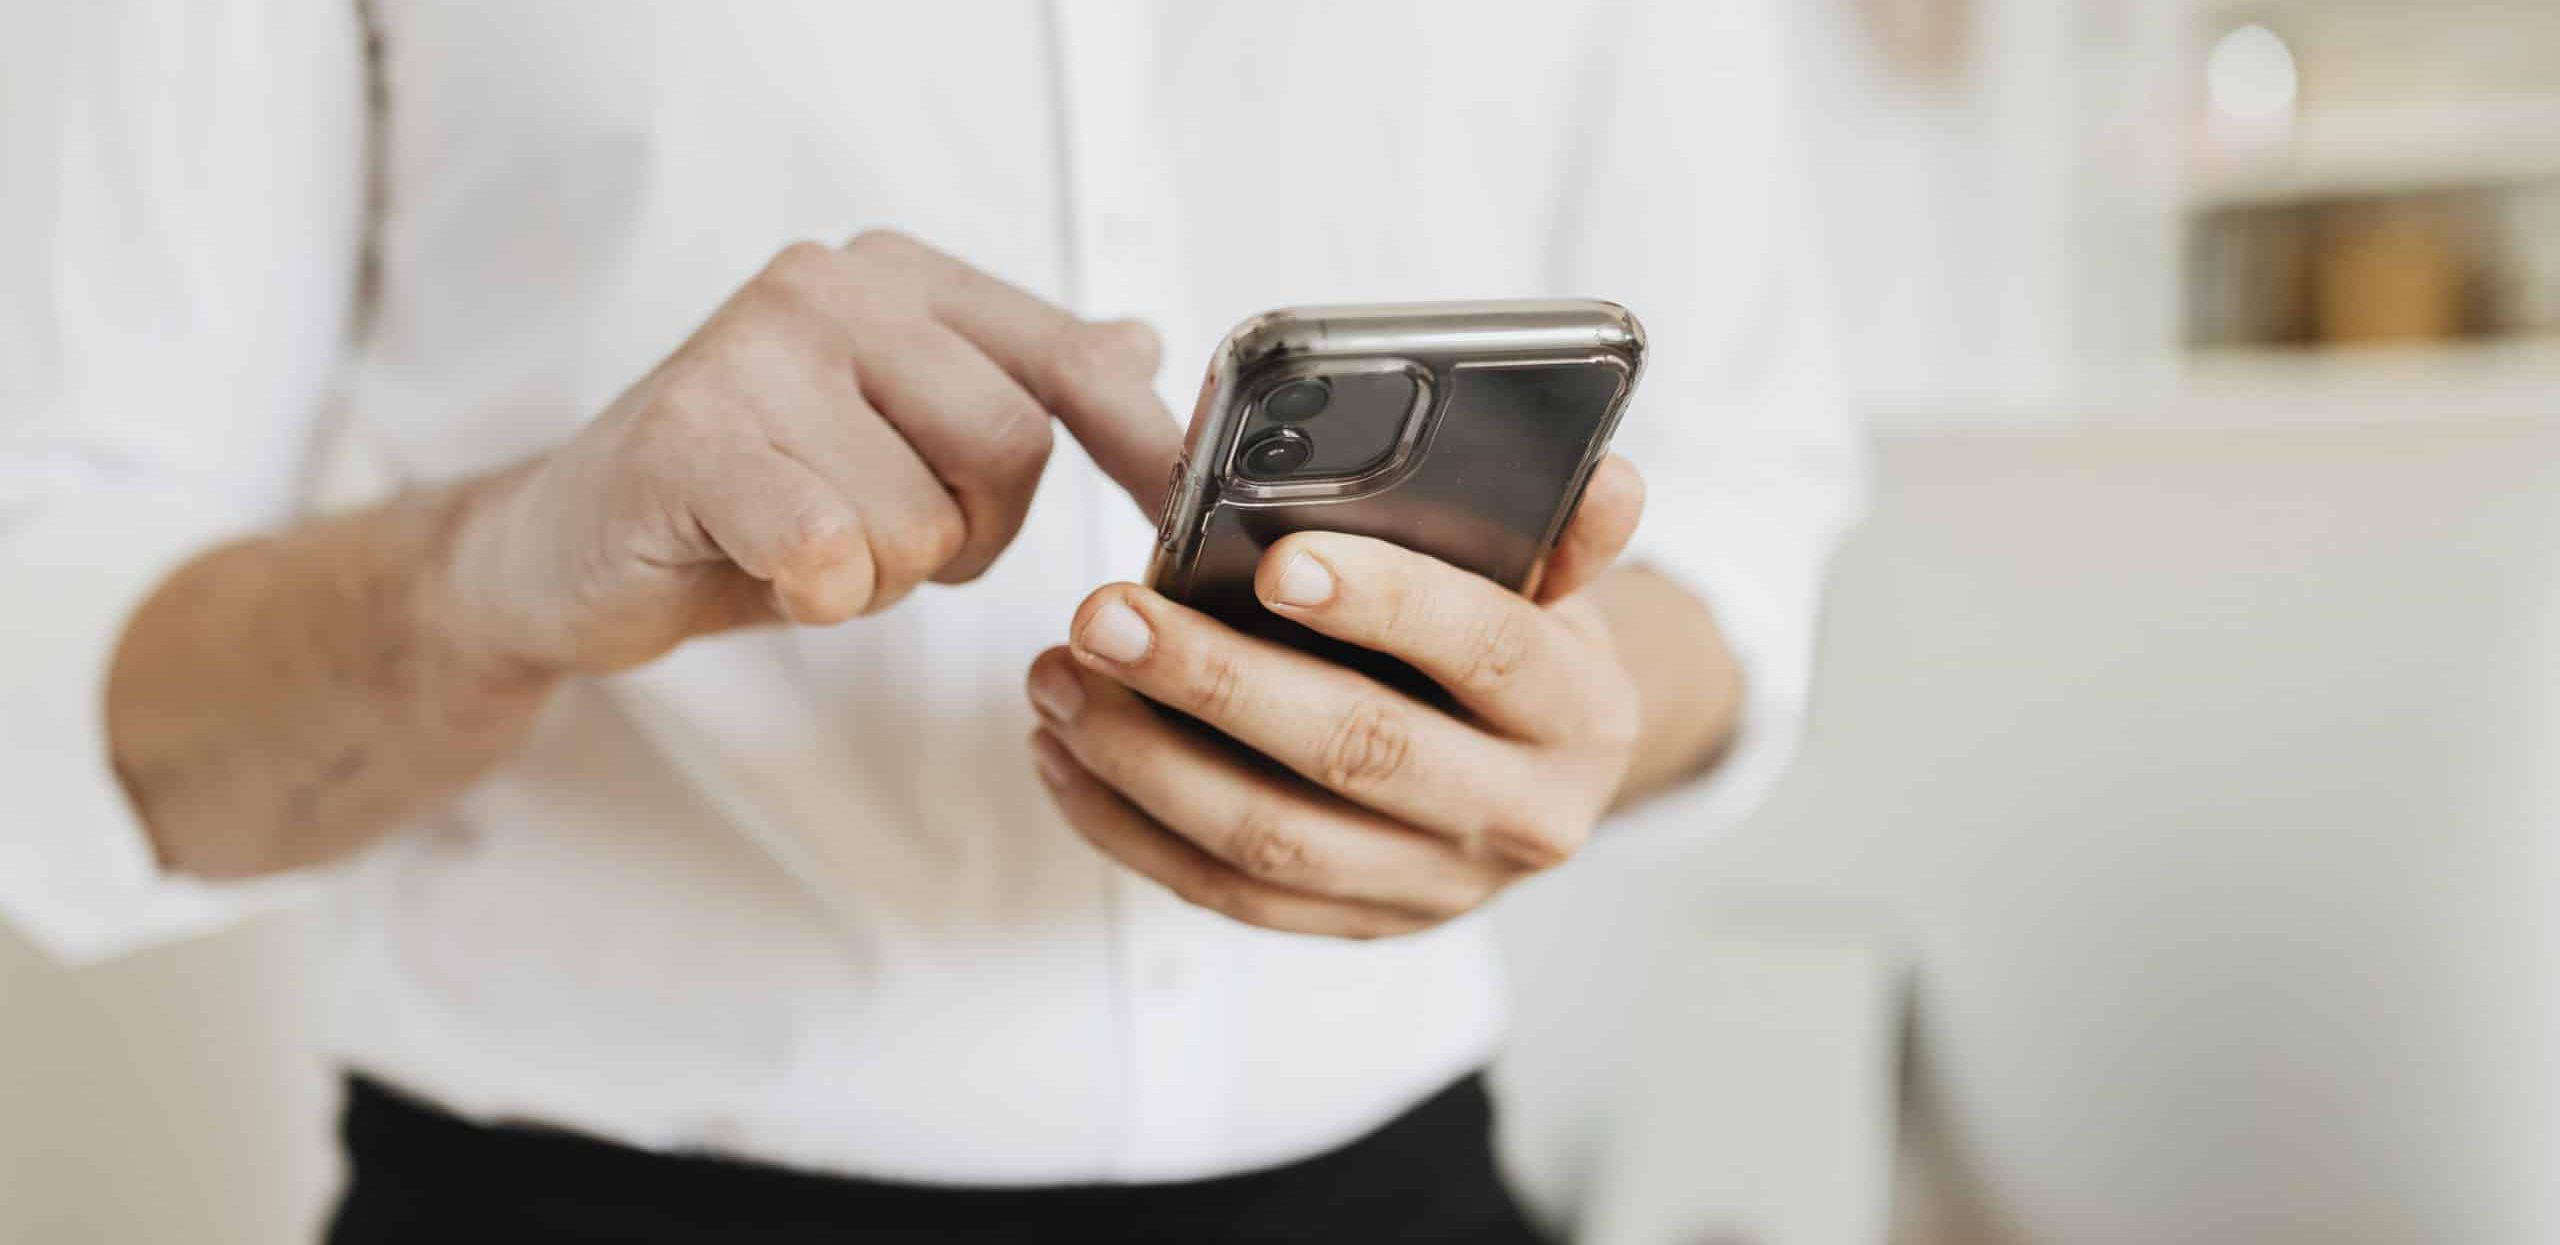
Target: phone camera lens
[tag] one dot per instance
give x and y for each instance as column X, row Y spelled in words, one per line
column 1276, row 453
column 1303, row 398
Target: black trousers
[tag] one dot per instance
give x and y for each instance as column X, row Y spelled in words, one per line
column 421, row 1175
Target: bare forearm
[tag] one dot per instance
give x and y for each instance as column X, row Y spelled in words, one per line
column 1691, row 686
column 286, row 699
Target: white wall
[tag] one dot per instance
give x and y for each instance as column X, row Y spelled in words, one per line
column 2211, row 779
column 2208, row 781
column 2002, row 237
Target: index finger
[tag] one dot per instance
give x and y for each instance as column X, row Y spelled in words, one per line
column 1504, row 657
column 1602, row 524
column 1098, row 379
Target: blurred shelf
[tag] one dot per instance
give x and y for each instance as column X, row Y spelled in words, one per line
column 2497, row 380
column 2347, row 152
column 2264, row 390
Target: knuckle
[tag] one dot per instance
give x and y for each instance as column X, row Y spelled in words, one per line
column 1015, row 439
column 796, row 273
column 1618, row 725
column 720, row 358
column 923, row 544
column 1264, row 844
column 1216, row 890
column 1082, row 359
column 1582, row 618
column 825, row 607
column 1406, row 619
column 595, row 576
column 946, row 534
column 1496, row 654
column 1141, row 346
column 1536, row 844
column 966, row 568
column 1106, row 765
column 820, row 539
column 881, row 244
column 1214, row 684
column 1370, row 746
column 691, row 393
column 677, row 431
column 824, row 603
column 1246, row 904
column 1465, row 898
column 1398, row 609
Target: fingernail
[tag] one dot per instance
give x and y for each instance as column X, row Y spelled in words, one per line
column 1049, row 757
column 1304, row 583
column 1115, row 633
column 1057, row 693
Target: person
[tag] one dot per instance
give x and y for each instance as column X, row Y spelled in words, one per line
column 722, row 731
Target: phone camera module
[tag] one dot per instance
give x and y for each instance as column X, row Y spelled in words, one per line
column 1275, row 454
column 1303, row 398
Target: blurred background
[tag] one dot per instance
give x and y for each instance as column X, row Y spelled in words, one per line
column 2173, row 853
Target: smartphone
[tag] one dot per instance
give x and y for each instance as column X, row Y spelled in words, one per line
column 1465, row 431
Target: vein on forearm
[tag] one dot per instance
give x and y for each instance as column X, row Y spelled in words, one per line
column 282, row 700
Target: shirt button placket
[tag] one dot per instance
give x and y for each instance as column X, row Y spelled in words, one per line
column 1117, row 208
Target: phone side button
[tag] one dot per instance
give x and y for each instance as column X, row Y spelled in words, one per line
column 1167, row 515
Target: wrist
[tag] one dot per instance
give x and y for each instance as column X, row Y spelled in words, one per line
column 491, row 668
column 1690, row 694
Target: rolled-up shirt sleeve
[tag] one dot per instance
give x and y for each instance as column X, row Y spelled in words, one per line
column 181, row 228
column 1692, row 207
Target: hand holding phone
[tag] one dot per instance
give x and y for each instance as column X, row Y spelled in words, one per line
column 1464, row 431
column 1381, row 610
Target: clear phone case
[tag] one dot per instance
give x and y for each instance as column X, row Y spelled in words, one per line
column 1465, row 431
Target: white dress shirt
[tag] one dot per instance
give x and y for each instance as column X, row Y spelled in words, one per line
column 795, row 895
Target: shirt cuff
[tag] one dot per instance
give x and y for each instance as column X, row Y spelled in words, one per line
column 1762, row 573
column 77, row 873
